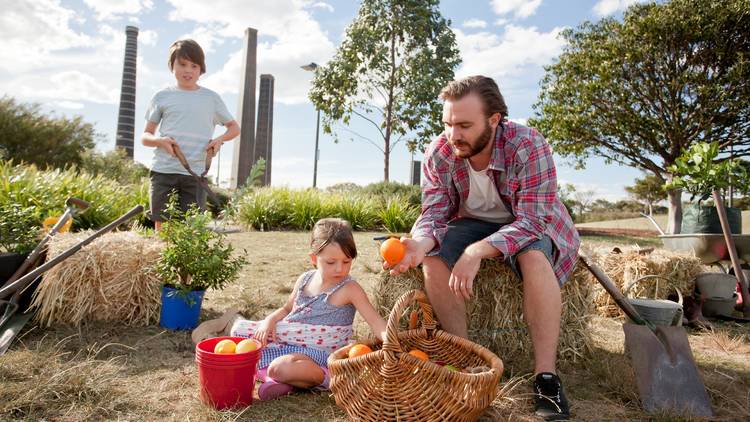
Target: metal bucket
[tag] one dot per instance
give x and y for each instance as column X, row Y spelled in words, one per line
column 657, row 311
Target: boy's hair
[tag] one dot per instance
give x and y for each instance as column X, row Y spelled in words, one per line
column 188, row 50
column 484, row 87
column 333, row 230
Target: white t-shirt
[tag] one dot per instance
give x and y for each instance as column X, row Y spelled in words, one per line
column 484, row 201
column 190, row 118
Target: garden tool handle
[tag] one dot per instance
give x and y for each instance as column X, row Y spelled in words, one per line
column 79, row 203
column 31, row 276
column 34, row 254
column 391, row 343
column 181, row 158
column 726, row 230
column 611, row 288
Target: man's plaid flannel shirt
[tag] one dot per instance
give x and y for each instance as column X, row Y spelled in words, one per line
column 524, row 174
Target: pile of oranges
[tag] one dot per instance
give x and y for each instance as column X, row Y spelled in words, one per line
column 229, row 347
column 363, row 349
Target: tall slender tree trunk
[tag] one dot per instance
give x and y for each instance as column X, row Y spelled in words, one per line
column 389, row 109
column 674, row 216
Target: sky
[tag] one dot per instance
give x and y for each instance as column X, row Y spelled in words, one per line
column 67, row 56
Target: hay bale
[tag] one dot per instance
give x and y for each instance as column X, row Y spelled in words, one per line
column 110, row 279
column 629, row 266
column 495, row 314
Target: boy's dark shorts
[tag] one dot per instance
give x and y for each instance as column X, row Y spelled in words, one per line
column 462, row 232
column 187, row 188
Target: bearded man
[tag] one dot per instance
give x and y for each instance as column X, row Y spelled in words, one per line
column 489, row 190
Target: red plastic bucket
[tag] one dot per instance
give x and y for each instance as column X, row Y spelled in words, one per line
column 226, row 380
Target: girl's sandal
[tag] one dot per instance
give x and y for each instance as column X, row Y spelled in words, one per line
column 271, row 390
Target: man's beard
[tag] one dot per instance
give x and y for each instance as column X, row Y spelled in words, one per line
column 474, row 147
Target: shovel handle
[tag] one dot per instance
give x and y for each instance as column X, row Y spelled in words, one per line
column 727, row 231
column 611, row 288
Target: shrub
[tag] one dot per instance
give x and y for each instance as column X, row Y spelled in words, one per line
column 19, row 228
column 27, row 135
column 115, row 165
column 195, row 258
column 410, row 193
column 397, row 215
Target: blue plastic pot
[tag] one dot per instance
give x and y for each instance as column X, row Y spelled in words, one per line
column 180, row 312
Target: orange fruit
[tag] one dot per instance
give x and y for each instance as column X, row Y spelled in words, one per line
column 359, row 350
column 419, row 354
column 225, row 347
column 246, row 345
column 392, row 251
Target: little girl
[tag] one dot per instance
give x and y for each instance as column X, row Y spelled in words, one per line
column 316, row 319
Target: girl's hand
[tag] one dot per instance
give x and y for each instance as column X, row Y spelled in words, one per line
column 266, row 332
column 167, row 145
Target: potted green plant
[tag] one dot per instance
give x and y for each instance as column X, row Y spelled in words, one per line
column 19, row 233
column 698, row 172
column 193, row 260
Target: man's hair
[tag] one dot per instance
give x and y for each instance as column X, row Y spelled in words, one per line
column 333, row 230
column 484, row 87
column 188, row 50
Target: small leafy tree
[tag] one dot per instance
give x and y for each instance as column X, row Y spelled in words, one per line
column 649, row 189
column 27, row 135
column 641, row 90
column 115, row 164
column 388, row 71
column 699, row 172
column 195, row 258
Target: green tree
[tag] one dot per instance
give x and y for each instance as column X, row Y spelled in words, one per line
column 114, row 164
column 640, row 91
column 648, row 189
column 28, row 135
column 388, row 71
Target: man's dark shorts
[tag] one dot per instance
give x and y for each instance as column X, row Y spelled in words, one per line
column 187, row 188
column 463, row 232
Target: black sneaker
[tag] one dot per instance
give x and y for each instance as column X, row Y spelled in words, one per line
column 549, row 396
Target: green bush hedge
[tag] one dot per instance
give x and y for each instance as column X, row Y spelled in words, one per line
column 46, row 191
column 283, row 208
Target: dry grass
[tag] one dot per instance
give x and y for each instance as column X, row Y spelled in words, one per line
column 108, row 371
column 110, row 279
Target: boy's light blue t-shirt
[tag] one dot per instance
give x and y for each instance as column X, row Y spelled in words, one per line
column 189, row 117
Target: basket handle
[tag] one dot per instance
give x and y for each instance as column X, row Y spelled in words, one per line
column 657, row 277
column 391, row 342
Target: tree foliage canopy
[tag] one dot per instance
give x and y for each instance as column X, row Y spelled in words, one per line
column 389, row 69
column 640, row 91
column 27, row 135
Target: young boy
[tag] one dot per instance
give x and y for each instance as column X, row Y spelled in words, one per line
column 186, row 115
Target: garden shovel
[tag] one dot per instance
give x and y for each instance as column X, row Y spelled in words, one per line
column 665, row 372
column 199, row 178
column 729, row 239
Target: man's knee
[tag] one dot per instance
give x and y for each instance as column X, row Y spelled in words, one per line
column 536, row 265
column 435, row 271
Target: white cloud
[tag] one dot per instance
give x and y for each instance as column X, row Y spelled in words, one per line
column 519, row 8
column 207, row 37
column 70, row 85
column 501, row 21
column 68, row 104
column 474, row 23
column 109, row 9
column 148, row 37
column 520, row 120
column 608, row 7
column 322, row 5
column 288, row 38
column 508, row 54
column 32, row 30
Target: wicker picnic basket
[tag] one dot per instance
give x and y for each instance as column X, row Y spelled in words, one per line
column 389, row 384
